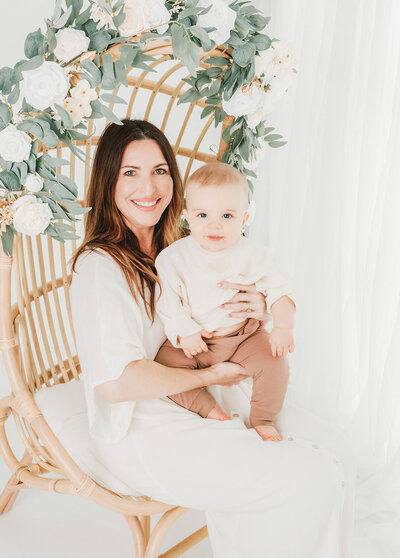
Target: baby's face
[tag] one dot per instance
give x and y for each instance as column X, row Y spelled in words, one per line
column 216, row 215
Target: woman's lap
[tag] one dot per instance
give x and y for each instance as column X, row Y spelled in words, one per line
column 224, row 468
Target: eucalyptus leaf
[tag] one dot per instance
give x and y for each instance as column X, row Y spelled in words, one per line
column 10, row 180
column 14, row 95
column 31, row 64
column 261, row 42
column 50, row 139
column 110, row 98
column 93, row 70
column 62, row 20
column 34, row 44
column 7, row 237
column 277, row 143
column 68, row 183
column 110, row 115
column 31, row 127
column 99, row 40
column 53, row 162
column 75, row 208
column 65, row 117
column 59, row 191
column 5, row 116
column 244, row 55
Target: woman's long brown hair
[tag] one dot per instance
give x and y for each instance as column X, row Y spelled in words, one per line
column 104, row 224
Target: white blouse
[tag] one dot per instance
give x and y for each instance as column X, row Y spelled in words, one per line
column 190, row 299
column 112, row 329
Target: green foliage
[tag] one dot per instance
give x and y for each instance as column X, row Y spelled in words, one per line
column 213, row 83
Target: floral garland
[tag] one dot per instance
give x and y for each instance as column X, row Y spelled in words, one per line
column 67, row 64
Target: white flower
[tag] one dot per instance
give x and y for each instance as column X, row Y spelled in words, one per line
column 278, row 86
column 83, row 93
column 45, row 85
column 142, row 15
column 220, row 16
column 104, row 18
column 76, row 110
column 70, row 43
column 33, row 183
column 254, row 119
column 32, row 216
column 247, row 100
column 15, row 146
column 278, row 59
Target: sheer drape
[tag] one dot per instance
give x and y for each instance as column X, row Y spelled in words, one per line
column 329, row 205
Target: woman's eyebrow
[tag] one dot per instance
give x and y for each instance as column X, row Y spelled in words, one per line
column 136, row 167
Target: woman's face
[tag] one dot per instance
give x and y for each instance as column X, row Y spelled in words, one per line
column 144, row 185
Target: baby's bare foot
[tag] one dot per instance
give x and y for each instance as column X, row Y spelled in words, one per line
column 268, row 432
column 217, row 414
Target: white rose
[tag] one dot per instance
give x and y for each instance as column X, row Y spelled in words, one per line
column 33, row 183
column 142, row 15
column 254, row 119
column 277, row 59
column 246, row 100
column 45, row 85
column 32, row 216
column 70, row 43
column 221, row 16
column 15, row 146
column 104, row 18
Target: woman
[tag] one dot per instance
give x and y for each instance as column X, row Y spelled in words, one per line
column 262, row 499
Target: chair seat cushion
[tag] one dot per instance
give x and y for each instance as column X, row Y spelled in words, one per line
column 64, row 408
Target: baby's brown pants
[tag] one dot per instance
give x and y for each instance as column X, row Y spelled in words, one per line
column 249, row 347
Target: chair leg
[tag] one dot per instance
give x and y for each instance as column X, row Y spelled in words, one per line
column 160, row 530
column 10, row 493
column 145, row 520
column 138, row 535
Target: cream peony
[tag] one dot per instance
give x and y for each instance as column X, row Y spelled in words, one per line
column 33, row 183
column 32, row 216
column 70, row 44
column 75, row 110
column 15, row 146
column 103, row 18
column 274, row 61
column 246, row 100
column 45, row 85
column 142, row 15
column 254, row 119
column 83, row 93
column 221, row 16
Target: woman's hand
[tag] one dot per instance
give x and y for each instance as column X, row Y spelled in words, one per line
column 225, row 374
column 247, row 303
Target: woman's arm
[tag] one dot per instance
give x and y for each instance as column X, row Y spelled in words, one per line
column 146, row 379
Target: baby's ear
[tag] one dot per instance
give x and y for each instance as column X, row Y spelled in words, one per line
column 185, row 213
column 245, row 218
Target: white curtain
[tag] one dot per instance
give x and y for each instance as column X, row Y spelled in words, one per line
column 328, row 203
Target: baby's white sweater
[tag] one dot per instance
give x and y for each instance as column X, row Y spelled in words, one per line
column 189, row 274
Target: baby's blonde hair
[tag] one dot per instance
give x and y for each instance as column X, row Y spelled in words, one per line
column 217, row 174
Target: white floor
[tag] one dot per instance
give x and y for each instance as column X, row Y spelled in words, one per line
column 46, row 524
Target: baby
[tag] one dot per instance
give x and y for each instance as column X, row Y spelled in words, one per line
column 199, row 331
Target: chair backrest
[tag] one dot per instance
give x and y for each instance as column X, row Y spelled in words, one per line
column 41, row 318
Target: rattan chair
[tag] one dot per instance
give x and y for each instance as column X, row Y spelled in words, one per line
column 36, row 333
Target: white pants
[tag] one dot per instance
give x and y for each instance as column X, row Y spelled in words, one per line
column 288, row 499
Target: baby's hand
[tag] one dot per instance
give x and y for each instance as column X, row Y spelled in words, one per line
column 194, row 344
column 281, row 340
